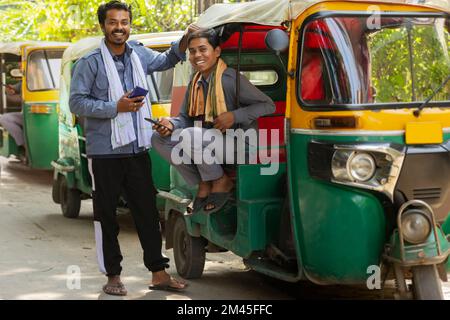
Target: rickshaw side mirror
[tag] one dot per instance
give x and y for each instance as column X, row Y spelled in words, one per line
column 16, row 73
column 277, row 40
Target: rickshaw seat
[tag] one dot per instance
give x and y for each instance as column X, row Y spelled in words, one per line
column 312, row 78
column 274, row 121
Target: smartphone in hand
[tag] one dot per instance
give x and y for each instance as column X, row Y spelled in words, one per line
column 158, row 124
column 138, row 92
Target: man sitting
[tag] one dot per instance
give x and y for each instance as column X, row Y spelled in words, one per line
column 211, row 100
column 13, row 121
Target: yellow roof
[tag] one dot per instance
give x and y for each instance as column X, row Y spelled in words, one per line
column 275, row 12
column 15, row 47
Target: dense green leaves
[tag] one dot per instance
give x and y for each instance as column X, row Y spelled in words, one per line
column 62, row 20
column 403, row 55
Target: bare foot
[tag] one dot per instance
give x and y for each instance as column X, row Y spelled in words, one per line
column 221, row 185
column 204, row 188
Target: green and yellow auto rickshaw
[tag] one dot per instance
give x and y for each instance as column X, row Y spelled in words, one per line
column 356, row 187
column 37, row 66
column 72, row 182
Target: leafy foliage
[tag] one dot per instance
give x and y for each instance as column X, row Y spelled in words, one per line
column 70, row 20
column 403, row 55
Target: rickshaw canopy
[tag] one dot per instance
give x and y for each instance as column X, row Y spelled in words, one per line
column 15, row 47
column 276, row 12
column 86, row 45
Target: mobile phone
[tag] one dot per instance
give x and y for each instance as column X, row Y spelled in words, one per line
column 138, row 92
column 157, row 123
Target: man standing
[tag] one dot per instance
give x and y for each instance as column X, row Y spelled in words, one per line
column 117, row 141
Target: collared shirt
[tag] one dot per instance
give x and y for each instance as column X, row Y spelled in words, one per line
column 253, row 103
column 89, row 94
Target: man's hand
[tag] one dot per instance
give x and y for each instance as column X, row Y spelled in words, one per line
column 183, row 42
column 10, row 89
column 161, row 130
column 224, row 121
column 126, row 104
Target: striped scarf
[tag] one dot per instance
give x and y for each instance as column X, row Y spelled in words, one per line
column 215, row 99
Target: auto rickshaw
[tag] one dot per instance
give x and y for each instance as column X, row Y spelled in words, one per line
column 362, row 179
column 37, row 65
column 72, row 182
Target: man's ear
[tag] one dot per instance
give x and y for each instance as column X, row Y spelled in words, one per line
column 103, row 28
column 218, row 51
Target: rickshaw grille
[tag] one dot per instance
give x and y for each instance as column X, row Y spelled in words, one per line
column 425, row 176
column 428, row 193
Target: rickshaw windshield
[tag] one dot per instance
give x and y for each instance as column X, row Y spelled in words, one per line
column 366, row 61
column 43, row 70
column 160, row 84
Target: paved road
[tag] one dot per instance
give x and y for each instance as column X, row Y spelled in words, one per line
column 38, row 245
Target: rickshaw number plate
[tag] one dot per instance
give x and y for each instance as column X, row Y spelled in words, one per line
column 424, row 133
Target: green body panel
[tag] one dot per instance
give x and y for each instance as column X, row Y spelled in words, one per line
column 428, row 248
column 339, row 231
column 160, row 176
column 41, row 136
column 8, row 145
column 160, row 171
column 250, row 223
column 71, row 148
column 446, row 225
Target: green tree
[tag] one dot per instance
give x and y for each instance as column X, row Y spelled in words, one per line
column 62, row 20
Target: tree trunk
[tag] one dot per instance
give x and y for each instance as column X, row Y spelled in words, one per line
column 202, row 5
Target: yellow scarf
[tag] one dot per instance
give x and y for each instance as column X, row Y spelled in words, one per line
column 215, row 99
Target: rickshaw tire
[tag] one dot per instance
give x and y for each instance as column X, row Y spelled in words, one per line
column 426, row 283
column 191, row 262
column 56, row 189
column 70, row 200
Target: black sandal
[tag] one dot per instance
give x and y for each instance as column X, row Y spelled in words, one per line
column 198, row 204
column 218, row 200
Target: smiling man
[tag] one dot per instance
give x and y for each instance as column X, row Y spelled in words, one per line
column 211, row 100
column 118, row 139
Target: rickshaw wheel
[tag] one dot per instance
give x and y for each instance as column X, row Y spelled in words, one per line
column 189, row 252
column 426, row 283
column 70, row 200
column 56, row 189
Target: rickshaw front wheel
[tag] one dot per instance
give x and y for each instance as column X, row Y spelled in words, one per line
column 56, row 189
column 189, row 252
column 70, row 200
column 426, row 283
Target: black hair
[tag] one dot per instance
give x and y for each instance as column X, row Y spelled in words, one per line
column 209, row 34
column 103, row 9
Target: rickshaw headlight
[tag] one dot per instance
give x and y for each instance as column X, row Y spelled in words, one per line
column 416, row 226
column 361, row 166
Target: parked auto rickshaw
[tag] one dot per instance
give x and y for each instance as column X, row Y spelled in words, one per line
column 363, row 180
column 37, row 65
column 72, row 182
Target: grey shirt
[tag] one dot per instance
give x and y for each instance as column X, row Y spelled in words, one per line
column 89, row 94
column 253, row 103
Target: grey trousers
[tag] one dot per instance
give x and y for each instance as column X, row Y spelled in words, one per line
column 13, row 123
column 192, row 171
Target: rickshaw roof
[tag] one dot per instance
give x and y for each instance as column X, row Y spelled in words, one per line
column 275, row 12
column 78, row 49
column 15, row 47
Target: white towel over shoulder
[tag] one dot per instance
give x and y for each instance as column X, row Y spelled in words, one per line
column 122, row 125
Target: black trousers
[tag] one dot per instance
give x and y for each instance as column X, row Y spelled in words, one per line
column 131, row 175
